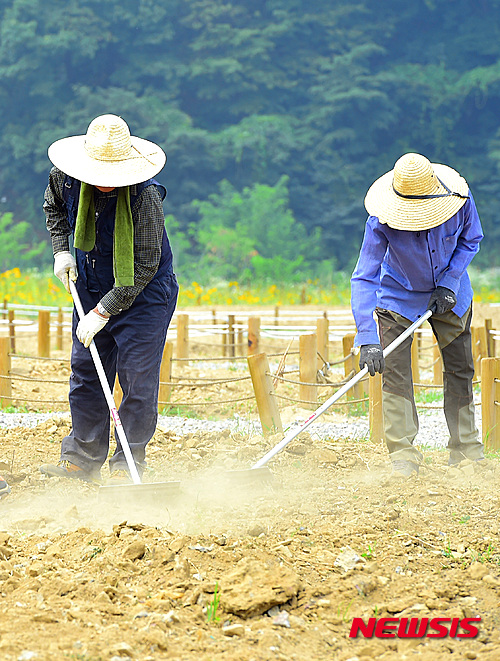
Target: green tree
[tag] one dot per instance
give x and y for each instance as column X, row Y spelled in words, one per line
column 327, row 92
column 253, row 234
column 14, row 248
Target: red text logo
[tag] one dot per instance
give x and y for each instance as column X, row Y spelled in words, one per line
column 414, row 627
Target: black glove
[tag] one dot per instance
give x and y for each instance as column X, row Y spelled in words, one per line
column 371, row 355
column 442, row 299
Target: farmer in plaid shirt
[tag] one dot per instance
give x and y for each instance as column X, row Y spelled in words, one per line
column 102, row 193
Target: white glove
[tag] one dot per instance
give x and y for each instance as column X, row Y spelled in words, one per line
column 91, row 324
column 65, row 267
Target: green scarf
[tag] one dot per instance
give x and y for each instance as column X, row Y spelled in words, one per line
column 123, row 235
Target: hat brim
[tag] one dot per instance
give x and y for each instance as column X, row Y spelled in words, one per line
column 413, row 215
column 145, row 161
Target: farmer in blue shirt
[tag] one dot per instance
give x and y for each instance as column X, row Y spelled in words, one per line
column 422, row 233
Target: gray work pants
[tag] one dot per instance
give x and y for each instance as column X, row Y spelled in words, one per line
column 400, row 414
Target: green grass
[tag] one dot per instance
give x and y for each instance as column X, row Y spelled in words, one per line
column 180, row 411
column 430, row 396
column 368, row 554
column 343, row 611
column 358, row 409
column 213, row 605
column 18, row 409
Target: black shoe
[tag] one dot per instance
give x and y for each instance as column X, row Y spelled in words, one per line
column 4, row 488
column 404, row 468
column 65, row 468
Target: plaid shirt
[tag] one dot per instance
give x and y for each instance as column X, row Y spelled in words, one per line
column 148, row 219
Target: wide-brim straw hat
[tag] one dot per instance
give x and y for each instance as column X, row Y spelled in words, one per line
column 107, row 155
column 416, row 194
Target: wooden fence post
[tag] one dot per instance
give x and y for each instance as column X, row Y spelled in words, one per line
column 490, row 342
column 347, row 346
column 182, row 338
column 230, row 335
column 351, row 364
column 253, row 335
column 482, row 337
column 308, row 349
column 479, row 346
column 322, row 325
column 376, row 416
column 59, row 333
column 117, row 392
column 241, row 342
column 44, row 333
column 490, row 399
column 475, row 347
column 437, row 366
column 165, row 376
column 264, row 394
column 5, row 379
column 12, row 332
column 415, row 368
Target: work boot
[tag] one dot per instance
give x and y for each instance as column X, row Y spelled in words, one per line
column 65, row 468
column 404, row 468
column 456, row 457
column 4, row 488
column 119, row 476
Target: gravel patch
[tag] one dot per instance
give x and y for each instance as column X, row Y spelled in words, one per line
column 10, row 420
column 433, row 431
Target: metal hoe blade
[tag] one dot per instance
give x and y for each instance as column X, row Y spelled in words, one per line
column 153, row 492
column 249, row 476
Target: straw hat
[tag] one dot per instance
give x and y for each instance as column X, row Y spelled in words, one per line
column 107, row 155
column 417, row 194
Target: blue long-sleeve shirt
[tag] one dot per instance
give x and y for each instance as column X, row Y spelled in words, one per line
column 398, row 270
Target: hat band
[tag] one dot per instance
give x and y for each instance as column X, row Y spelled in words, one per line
column 429, row 197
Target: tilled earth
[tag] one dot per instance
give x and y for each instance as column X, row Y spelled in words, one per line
column 230, row 568
column 227, row 567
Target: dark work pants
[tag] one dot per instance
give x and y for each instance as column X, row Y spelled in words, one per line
column 131, row 344
column 400, row 414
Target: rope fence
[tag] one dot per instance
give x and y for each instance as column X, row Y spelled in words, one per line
column 316, row 370
column 316, row 384
column 46, row 358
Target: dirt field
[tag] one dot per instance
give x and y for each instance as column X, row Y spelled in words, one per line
column 226, row 569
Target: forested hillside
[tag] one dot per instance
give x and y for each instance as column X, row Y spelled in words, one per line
column 276, row 115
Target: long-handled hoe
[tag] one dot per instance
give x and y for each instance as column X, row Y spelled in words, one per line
column 260, row 468
column 138, row 490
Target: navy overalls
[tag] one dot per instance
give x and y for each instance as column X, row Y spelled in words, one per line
column 131, row 344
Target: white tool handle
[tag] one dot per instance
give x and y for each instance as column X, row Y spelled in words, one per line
column 326, row 405
column 107, row 393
